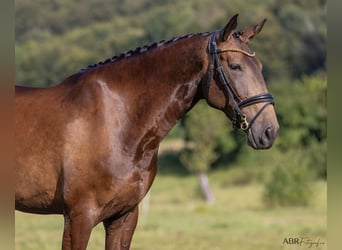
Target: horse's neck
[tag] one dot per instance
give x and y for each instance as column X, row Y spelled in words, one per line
column 160, row 86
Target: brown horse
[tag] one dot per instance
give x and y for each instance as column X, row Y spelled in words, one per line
column 87, row 147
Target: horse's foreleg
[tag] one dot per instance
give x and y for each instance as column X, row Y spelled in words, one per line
column 77, row 231
column 119, row 231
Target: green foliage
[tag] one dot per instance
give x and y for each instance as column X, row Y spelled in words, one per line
column 207, row 133
column 289, row 184
column 292, row 43
column 302, row 110
column 307, row 39
column 302, row 113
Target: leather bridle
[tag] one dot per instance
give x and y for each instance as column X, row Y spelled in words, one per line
column 239, row 119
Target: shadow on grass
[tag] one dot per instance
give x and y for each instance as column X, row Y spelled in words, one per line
column 169, row 164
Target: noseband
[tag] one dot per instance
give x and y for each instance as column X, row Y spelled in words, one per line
column 239, row 119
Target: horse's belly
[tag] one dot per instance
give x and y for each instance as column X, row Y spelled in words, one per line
column 38, row 205
column 38, row 190
column 42, row 202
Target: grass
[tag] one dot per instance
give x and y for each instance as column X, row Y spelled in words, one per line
column 178, row 219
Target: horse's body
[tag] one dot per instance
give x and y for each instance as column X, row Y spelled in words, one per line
column 87, row 147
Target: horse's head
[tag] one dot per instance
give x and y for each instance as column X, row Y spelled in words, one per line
column 235, row 84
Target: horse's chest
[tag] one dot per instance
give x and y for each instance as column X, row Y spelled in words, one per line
column 125, row 183
column 124, row 194
column 112, row 182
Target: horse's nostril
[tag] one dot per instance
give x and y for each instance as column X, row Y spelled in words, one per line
column 267, row 137
column 268, row 133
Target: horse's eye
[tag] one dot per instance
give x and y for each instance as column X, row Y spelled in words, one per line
column 235, row 67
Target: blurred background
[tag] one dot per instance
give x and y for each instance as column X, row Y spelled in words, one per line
column 212, row 191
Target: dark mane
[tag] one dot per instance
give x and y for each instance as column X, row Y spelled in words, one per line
column 143, row 49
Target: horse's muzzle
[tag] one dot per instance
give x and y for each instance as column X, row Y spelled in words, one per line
column 263, row 140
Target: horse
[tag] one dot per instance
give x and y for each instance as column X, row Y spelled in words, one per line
column 87, row 148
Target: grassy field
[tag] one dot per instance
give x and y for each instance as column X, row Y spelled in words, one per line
column 177, row 219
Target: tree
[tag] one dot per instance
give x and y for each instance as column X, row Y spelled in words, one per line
column 302, row 113
column 206, row 134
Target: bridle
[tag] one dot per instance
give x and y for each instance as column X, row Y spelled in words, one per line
column 239, row 119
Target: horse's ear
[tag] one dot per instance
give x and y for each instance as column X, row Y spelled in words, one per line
column 229, row 28
column 250, row 33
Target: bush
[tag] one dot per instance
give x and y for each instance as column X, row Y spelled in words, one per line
column 289, row 183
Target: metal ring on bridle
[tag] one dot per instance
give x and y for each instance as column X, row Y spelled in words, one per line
column 244, row 123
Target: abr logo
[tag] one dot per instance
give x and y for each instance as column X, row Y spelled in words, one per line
column 291, row 241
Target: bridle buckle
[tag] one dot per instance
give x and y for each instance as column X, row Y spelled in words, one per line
column 244, row 123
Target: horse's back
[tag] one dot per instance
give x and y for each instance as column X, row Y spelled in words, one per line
column 23, row 89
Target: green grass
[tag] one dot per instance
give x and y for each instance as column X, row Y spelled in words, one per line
column 177, row 219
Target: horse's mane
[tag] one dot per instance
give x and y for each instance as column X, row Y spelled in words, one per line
column 143, row 49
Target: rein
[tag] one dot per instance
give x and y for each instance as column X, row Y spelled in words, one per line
column 240, row 119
